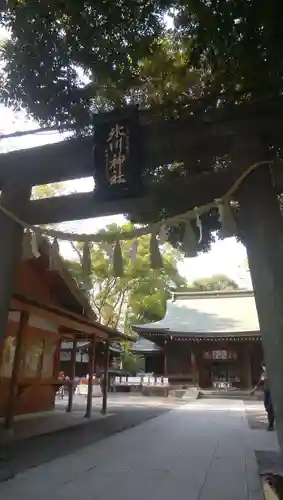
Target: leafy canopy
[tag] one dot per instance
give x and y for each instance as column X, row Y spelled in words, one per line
column 214, row 283
column 65, row 58
column 238, row 42
column 60, row 51
column 137, row 297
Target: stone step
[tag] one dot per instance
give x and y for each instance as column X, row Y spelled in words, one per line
column 244, row 395
column 189, row 394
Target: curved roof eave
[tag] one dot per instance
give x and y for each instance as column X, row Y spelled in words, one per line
column 209, row 314
column 149, row 326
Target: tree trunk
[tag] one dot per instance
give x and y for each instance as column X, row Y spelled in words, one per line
column 119, row 312
column 262, row 229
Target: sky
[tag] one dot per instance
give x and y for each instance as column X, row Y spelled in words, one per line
column 226, row 256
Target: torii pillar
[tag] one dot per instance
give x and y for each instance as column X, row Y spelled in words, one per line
column 261, row 225
column 14, row 196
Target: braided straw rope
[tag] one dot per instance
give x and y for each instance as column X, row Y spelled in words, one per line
column 138, row 232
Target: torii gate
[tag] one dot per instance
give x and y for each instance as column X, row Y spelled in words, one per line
column 247, row 140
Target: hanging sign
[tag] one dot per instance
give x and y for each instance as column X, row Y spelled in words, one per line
column 118, row 154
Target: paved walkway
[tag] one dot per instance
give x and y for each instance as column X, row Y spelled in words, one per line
column 202, row 451
column 124, row 413
column 26, row 426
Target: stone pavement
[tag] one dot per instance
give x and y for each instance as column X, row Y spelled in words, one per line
column 201, row 451
column 28, row 426
column 256, row 415
column 124, row 412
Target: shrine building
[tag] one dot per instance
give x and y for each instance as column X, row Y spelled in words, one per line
column 47, row 308
column 82, row 358
column 206, row 339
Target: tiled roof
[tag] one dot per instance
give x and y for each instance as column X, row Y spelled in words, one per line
column 203, row 315
column 207, row 313
column 144, row 345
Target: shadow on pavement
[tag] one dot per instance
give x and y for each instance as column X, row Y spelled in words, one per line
column 18, row 456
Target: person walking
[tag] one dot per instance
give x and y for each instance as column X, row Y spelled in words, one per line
column 268, row 405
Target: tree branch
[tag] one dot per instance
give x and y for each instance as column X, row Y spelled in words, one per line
column 122, row 301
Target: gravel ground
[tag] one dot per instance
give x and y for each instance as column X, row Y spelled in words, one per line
column 19, row 456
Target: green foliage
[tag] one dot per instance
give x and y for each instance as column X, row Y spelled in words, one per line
column 237, row 43
column 132, row 363
column 51, row 41
column 140, row 295
column 75, row 269
column 48, row 190
column 215, row 282
column 65, row 57
column 166, row 75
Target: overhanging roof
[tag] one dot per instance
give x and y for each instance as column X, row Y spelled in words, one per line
column 83, row 346
column 206, row 314
column 75, row 324
column 145, row 346
column 65, row 286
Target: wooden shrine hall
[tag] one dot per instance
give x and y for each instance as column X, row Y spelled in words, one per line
column 47, row 307
column 207, row 339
